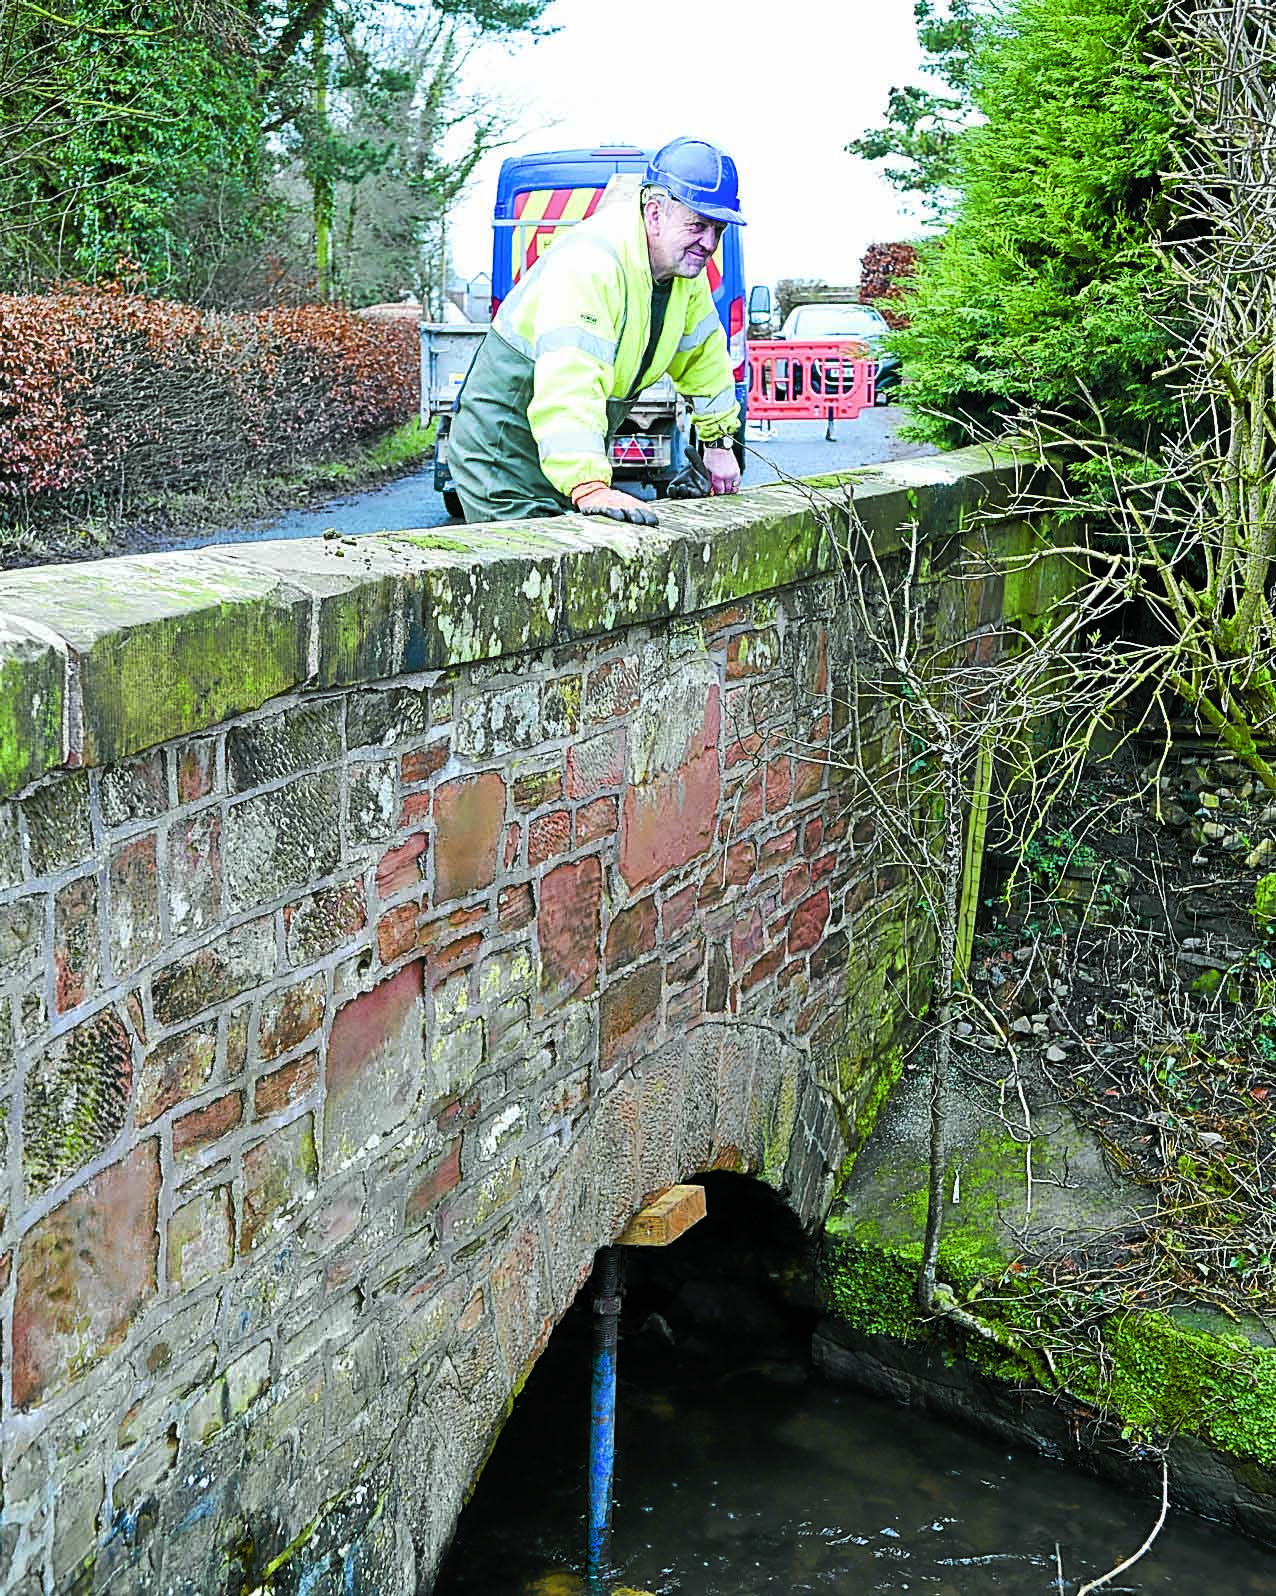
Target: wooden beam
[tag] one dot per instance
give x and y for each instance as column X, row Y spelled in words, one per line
column 664, row 1218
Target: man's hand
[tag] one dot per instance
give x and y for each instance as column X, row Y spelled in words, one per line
column 596, row 498
column 723, row 468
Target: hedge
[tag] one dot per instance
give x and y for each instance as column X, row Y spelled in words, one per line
column 108, row 398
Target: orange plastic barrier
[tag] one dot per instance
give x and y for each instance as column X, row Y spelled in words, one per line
column 792, row 381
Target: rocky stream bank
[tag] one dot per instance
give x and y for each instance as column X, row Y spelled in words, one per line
column 1110, row 1214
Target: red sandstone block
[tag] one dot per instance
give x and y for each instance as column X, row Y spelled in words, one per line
column 863, row 831
column 415, row 810
column 766, row 966
column 796, row 882
column 376, row 1051
column 678, row 910
column 779, row 784
column 812, row 836
column 568, row 928
column 746, row 939
column 195, row 1131
column 816, row 677
column 794, row 970
column 457, row 955
column 823, row 867
column 84, row 1271
column 469, row 817
column 597, row 819
column 290, row 1016
column 596, row 763
column 746, row 810
column 402, row 867
column 515, row 907
column 810, row 1016
column 686, row 964
column 286, row 1085
column 628, row 1015
column 422, row 763
column 808, row 922
column 447, row 926
column 548, row 837
column 742, row 861
column 517, row 1289
column 684, row 1009
column 715, row 998
column 397, row 932
column 174, row 1070
column 77, row 945
column 777, row 850
column 808, row 779
column 752, row 654
column 713, row 885
column 743, row 749
column 195, row 766
column 631, row 934
column 718, row 623
column 443, row 1178
column 670, row 819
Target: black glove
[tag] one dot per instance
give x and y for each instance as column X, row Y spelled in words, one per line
column 599, row 499
column 693, row 481
column 613, row 512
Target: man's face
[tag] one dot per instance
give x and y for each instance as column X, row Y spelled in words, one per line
column 679, row 241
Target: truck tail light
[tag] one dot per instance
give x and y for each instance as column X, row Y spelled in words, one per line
column 735, row 337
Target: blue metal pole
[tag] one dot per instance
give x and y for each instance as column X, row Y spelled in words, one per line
column 602, row 1411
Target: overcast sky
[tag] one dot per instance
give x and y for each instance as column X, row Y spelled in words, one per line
column 781, row 84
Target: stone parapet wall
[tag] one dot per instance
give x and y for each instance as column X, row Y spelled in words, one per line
column 380, row 921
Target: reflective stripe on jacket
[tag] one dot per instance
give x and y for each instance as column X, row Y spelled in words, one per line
column 582, row 316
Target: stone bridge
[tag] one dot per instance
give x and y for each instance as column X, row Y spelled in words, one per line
column 380, row 921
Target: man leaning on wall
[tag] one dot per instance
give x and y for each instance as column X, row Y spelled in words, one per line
column 622, row 300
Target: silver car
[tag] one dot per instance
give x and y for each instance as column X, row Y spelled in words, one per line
column 820, row 323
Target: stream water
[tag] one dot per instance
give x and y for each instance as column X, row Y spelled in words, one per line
column 737, row 1476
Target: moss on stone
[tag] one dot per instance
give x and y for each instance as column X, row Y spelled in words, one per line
column 1156, row 1373
column 31, row 700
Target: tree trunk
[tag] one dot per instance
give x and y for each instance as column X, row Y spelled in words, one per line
column 321, row 177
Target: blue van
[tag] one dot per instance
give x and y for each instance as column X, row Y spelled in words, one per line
column 539, row 195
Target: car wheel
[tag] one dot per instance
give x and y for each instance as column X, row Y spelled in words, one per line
column 452, row 504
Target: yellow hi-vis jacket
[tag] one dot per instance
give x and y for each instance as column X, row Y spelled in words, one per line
column 582, row 316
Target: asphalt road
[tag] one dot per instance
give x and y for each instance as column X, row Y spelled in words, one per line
column 789, row 449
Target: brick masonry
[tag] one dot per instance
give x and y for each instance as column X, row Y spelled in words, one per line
column 339, row 1031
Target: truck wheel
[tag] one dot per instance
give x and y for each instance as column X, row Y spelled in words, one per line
column 452, row 504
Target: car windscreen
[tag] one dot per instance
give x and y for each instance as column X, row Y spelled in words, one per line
column 833, row 322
